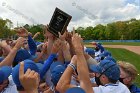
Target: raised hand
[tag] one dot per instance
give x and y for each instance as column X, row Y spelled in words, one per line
column 22, row 32
column 44, row 48
column 62, row 37
column 29, row 79
column 56, row 46
column 3, row 43
column 19, row 43
column 36, row 35
column 77, row 42
column 69, row 37
column 48, row 34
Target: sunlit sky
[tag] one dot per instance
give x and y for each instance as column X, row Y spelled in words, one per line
column 84, row 12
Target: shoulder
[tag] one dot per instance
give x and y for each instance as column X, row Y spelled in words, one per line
column 134, row 89
column 123, row 88
column 112, row 88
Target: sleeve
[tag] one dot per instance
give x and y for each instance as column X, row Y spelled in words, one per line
column 96, row 90
column 32, row 45
column 47, row 65
column 101, row 89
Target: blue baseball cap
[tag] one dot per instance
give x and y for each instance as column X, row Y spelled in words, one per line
column 105, row 54
column 54, row 64
column 90, row 51
column 108, row 68
column 23, row 54
column 27, row 64
column 56, row 69
column 5, row 72
column 110, row 58
column 75, row 90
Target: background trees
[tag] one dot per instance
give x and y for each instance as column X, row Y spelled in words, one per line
column 120, row 30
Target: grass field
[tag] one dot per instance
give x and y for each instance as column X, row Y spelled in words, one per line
column 119, row 43
column 125, row 55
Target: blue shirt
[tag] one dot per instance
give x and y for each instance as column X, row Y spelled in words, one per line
column 134, row 89
column 47, row 65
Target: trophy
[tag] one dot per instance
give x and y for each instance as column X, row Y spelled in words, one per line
column 59, row 22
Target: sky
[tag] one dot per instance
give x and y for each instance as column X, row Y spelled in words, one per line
column 84, row 12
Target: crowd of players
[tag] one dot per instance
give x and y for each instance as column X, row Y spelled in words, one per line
column 61, row 65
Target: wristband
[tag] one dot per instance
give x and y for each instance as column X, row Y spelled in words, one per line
column 72, row 66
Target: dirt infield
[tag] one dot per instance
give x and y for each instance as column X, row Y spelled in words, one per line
column 135, row 49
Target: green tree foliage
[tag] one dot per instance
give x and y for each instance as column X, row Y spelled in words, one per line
column 34, row 29
column 5, row 28
column 120, row 30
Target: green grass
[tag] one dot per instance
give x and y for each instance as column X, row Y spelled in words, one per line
column 119, row 43
column 125, row 55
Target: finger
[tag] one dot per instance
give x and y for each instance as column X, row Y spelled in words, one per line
column 28, row 71
column 21, row 70
column 32, row 73
column 59, row 34
column 73, row 30
column 36, row 75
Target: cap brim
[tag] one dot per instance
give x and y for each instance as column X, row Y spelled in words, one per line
column 54, row 64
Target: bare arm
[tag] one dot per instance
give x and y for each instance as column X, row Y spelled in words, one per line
column 66, row 52
column 65, row 47
column 64, row 82
column 36, row 35
column 9, row 59
column 51, row 40
column 60, row 57
column 82, row 67
column 69, row 40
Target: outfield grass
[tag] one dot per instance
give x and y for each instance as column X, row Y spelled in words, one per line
column 125, row 55
column 119, row 43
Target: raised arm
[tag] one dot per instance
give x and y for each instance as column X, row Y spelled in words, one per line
column 32, row 45
column 36, row 35
column 64, row 82
column 10, row 57
column 51, row 40
column 82, row 67
column 69, row 40
column 29, row 79
column 49, row 61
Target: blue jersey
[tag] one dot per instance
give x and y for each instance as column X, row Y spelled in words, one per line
column 134, row 89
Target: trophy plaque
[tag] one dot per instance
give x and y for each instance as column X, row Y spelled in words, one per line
column 59, row 22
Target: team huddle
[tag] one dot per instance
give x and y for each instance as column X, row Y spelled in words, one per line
column 61, row 65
